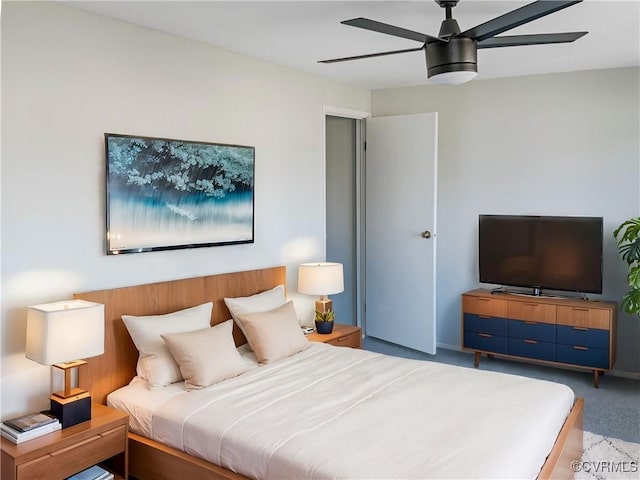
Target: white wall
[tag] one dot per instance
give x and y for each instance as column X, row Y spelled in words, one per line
column 69, row 76
column 561, row 144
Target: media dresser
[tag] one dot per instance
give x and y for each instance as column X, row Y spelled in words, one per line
column 568, row 332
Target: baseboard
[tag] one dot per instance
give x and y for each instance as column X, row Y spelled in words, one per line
column 613, row 373
column 623, row 374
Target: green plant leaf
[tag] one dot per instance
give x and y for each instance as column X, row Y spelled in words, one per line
column 627, row 236
column 634, row 277
column 630, row 229
column 327, row 316
column 633, row 251
column 631, row 302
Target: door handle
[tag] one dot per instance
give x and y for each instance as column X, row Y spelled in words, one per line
column 426, row 234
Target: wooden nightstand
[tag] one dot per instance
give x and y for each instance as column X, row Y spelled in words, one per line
column 342, row 336
column 65, row 452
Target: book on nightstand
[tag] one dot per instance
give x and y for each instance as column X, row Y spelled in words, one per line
column 28, row 422
column 18, row 437
column 92, row 473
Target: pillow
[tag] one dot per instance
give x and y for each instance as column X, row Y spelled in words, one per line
column 260, row 302
column 206, row 356
column 155, row 364
column 274, row 334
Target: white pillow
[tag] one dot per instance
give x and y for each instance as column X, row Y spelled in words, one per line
column 274, row 334
column 156, row 364
column 260, row 302
column 206, row 356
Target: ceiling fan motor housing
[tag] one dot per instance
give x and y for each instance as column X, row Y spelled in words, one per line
column 459, row 54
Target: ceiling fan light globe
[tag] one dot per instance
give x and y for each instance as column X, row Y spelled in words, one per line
column 453, row 78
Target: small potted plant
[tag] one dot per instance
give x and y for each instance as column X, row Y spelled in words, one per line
column 324, row 321
column 627, row 236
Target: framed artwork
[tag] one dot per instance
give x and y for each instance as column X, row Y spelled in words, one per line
column 167, row 194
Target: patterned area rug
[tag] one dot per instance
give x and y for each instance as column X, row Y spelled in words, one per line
column 607, row 458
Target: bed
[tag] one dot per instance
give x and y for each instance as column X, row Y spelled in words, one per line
column 314, row 414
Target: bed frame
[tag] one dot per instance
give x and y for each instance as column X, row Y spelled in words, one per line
column 149, row 459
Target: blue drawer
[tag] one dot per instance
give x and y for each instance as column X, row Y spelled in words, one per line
column 592, row 337
column 544, row 332
column 532, row 349
column 482, row 324
column 586, row 356
column 485, row 341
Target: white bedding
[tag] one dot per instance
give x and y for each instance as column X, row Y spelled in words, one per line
column 331, row 412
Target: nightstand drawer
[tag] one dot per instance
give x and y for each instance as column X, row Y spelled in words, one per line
column 352, row 340
column 485, row 341
column 485, row 324
column 67, row 461
column 341, row 336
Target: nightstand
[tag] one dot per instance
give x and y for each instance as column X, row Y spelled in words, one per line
column 341, row 336
column 63, row 453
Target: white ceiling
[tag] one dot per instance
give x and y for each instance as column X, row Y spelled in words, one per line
column 299, row 33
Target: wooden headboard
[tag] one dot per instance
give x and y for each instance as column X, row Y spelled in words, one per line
column 117, row 366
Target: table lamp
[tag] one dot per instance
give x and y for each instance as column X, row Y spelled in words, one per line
column 324, row 278
column 61, row 334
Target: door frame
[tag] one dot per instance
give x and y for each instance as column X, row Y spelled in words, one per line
column 360, row 116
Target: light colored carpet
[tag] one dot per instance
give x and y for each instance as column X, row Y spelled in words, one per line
column 606, row 458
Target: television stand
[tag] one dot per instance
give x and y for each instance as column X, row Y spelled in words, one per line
column 565, row 332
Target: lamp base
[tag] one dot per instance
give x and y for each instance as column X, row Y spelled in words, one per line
column 71, row 410
column 323, row 305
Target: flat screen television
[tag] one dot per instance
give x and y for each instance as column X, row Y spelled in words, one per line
column 541, row 252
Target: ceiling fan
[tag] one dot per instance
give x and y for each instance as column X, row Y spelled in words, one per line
column 452, row 55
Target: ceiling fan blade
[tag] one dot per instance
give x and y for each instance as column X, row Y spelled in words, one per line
column 390, row 30
column 516, row 18
column 539, row 39
column 369, row 55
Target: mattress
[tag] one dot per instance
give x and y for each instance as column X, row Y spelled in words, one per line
column 331, row 412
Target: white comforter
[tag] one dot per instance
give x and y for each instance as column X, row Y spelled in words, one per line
column 331, row 412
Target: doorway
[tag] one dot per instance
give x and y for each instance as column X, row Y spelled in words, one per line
column 390, row 264
column 344, row 146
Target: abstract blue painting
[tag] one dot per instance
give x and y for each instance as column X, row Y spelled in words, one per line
column 167, row 194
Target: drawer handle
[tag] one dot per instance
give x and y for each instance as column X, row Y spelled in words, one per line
column 532, row 304
column 77, row 445
column 582, row 329
column 531, row 341
column 484, row 299
column 531, row 323
column 116, row 430
column 581, row 309
column 485, row 335
column 575, row 347
column 340, row 339
column 485, row 316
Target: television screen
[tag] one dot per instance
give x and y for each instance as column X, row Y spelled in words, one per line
column 557, row 253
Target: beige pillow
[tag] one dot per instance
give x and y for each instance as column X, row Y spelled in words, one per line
column 155, row 364
column 260, row 302
column 274, row 334
column 206, row 356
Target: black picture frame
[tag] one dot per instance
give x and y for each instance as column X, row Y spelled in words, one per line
column 166, row 194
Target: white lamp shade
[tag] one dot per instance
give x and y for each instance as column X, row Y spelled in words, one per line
column 65, row 331
column 320, row 278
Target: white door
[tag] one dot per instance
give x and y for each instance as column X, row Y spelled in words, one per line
column 401, row 165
